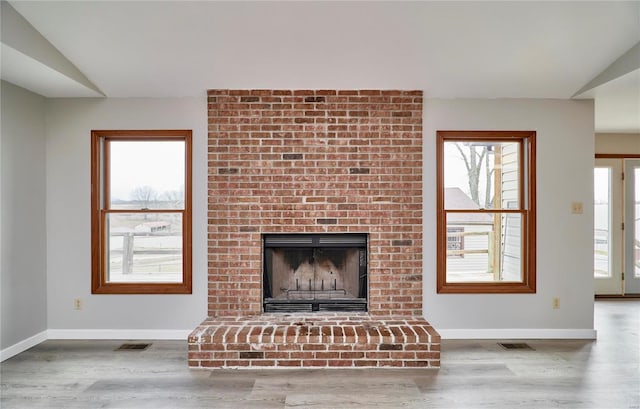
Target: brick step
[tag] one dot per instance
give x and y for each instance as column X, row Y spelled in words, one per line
column 314, row 340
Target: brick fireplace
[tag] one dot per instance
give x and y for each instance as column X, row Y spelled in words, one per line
column 285, row 162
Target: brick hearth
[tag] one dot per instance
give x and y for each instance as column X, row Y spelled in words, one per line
column 305, row 161
column 319, row 340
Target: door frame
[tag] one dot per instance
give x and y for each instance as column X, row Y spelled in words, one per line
column 621, row 239
column 631, row 279
column 613, row 284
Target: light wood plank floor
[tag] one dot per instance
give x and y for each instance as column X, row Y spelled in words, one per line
column 602, row 374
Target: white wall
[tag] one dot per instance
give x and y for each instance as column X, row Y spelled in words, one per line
column 22, row 217
column 69, row 123
column 565, row 161
column 565, row 152
column 619, row 143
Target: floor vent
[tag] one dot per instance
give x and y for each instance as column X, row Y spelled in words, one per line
column 520, row 345
column 133, row 347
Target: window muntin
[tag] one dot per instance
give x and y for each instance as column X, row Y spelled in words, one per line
column 141, row 212
column 486, row 187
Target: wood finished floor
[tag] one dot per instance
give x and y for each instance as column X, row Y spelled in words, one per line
column 602, row 374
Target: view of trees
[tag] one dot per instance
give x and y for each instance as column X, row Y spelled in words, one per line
column 144, row 195
column 475, row 158
column 147, row 197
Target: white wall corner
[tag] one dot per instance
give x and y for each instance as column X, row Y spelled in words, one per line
column 22, row 346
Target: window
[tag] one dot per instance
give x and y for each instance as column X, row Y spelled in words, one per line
column 486, row 212
column 455, row 242
column 141, row 212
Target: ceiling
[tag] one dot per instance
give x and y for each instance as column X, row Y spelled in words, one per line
column 448, row 49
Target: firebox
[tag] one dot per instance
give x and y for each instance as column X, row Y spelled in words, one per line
column 315, row 272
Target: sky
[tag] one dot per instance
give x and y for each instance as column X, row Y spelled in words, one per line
column 601, row 184
column 135, row 164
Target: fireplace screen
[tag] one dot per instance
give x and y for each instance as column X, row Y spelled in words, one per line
column 315, row 272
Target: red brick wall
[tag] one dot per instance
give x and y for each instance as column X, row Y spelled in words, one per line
column 304, row 161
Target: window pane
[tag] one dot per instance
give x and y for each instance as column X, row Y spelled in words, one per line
column 147, row 174
column 472, row 171
column 455, row 242
column 144, row 247
column 484, row 247
column 602, row 222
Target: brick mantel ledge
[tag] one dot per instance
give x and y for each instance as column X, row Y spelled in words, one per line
column 314, row 340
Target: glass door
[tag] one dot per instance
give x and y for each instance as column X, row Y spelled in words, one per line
column 608, row 234
column 632, row 227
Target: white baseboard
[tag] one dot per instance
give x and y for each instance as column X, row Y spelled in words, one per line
column 182, row 334
column 518, row 333
column 160, row 334
column 22, row 346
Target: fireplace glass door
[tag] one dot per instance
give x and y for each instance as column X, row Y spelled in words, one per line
column 315, row 272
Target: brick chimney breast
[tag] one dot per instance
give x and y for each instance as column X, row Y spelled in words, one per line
column 315, row 161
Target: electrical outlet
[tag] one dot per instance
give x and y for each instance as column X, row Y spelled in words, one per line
column 556, row 303
column 77, row 303
column 577, row 208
